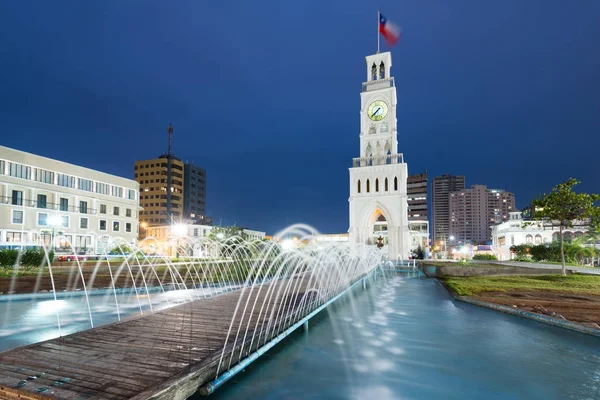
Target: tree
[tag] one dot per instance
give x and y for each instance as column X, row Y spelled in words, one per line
column 420, row 253
column 222, row 233
column 564, row 207
column 120, row 249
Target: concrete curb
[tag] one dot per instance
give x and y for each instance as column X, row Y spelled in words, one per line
column 531, row 315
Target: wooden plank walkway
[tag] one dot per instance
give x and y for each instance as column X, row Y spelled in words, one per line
column 146, row 356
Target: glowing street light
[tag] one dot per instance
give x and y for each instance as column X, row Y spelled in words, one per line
column 53, row 221
column 179, row 230
column 287, row 244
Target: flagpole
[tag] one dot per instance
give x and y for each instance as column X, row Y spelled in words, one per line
column 378, row 18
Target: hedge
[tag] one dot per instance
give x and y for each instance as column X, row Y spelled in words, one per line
column 484, row 257
column 27, row 258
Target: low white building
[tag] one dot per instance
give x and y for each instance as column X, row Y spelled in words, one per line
column 517, row 231
column 419, row 236
column 331, row 237
column 79, row 209
column 165, row 239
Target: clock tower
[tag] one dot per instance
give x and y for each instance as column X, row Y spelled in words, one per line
column 378, row 201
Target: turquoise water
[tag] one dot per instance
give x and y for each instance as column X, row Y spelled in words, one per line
column 406, row 338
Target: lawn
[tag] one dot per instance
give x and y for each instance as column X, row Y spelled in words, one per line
column 582, row 284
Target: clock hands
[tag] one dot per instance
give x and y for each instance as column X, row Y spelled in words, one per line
column 376, row 111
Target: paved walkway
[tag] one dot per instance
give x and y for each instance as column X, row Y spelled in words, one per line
column 580, row 270
column 151, row 355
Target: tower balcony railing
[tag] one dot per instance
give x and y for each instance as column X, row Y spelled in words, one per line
column 378, row 84
column 379, row 160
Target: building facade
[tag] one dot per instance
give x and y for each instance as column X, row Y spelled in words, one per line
column 194, row 192
column 418, row 221
column 152, row 178
column 441, row 187
column 473, row 211
column 167, row 239
column 46, row 202
column 517, row 230
column 416, row 188
column 378, row 195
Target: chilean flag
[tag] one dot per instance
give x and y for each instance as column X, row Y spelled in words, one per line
column 390, row 31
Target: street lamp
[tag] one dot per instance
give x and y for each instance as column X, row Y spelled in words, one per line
column 53, row 221
column 178, row 230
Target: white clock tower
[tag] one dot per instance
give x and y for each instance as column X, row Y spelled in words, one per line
column 378, row 203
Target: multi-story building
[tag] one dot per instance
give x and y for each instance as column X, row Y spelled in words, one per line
column 473, row 211
column 416, row 189
column 194, row 192
column 46, row 202
column 440, row 193
column 152, row 178
column 187, row 237
column 518, row 230
column 418, row 222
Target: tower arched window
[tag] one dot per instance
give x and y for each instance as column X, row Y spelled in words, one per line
column 359, row 186
column 395, row 184
column 377, row 185
column 386, row 185
column 381, row 70
column 374, row 72
column 368, row 186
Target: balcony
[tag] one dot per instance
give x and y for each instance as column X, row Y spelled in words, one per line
column 378, row 84
column 44, row 205
column 381, row 160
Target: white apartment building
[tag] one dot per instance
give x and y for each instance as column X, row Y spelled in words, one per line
column 79, row 209
column 516, row 231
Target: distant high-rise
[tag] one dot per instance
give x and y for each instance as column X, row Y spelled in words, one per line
column 440, row 216
column 473, row 211
column 152, row 177
column 194, row 192
column 416, row 189
column 418, row 222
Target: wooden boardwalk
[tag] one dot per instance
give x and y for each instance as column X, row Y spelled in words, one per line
column 150, row 356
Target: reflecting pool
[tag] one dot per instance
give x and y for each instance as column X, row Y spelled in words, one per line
column 405, row 338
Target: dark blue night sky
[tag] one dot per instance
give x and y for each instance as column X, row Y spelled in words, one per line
column 265, row 94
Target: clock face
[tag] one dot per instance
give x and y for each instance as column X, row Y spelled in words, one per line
column 377, row 110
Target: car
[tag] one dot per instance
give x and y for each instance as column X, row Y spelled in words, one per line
column 74, row 257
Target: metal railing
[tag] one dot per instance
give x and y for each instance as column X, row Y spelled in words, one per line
column 380, row 160
column 378, row 84
column 45, row 205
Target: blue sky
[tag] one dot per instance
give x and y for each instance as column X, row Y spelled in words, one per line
column 265, row 95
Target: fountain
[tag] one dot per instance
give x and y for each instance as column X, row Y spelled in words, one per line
column 161, row 328
column 267, row 289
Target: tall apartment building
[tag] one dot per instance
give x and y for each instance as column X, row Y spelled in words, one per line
column 416, row 189
column 440, row 192
column 418, row 222
column 152, row 178
column 46, row 202
column 194, row 192
column 473, row 211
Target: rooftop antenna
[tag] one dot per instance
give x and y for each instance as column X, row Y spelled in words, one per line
column 170, row 132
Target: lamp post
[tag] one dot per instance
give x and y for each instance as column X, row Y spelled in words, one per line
column 53, row 221
column 178, row 231
column 143, row 225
